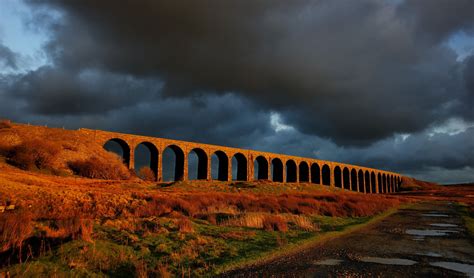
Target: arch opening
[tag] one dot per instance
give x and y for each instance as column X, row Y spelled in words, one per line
column 372, row 182
column 173, row 163
column 326, row 174
column 277, row 170
column 379, row 179
column 291, row 171
column 146, row 161
column 360, row 175
column 315, row 173
column 354, row 186
column 219, row 166
column 304, row 172
column 120, row 148
column 260, row 167
column 367, row 182
column 384, row 182
column 337, row 177
column 239, row 167
column 346, row 179
column 197, row 164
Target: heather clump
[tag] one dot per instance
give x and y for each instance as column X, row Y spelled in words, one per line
column 110, row 168
column 34, row 154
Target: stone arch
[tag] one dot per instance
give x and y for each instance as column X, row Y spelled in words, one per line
column 361, row 183
column 277, row 170
column 201, row 163
column 346, row 178
column 117, row 145
column 373, row 182
column 261, row 168
column 367, row 182
column 326, row 174
column 222, row 161
column 337, row 176
column 177, row 160
column 240, row 161
column 384, row 182
column 150, row 159
column 315, row 173
column 291, row 171
column 304, row 171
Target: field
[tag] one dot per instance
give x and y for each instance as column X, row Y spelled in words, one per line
column 55, row 222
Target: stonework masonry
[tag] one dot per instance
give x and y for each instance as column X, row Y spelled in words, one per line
column 271, row 166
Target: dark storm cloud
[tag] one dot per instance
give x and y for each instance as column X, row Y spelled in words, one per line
column 437, row 19
column 347, row 75
column 8, row 58
column 351, row 71
column 56, row 91
column 469, row 78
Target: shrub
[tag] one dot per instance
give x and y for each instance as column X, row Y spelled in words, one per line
column 145, row 173
column 74, row 227
column 100, row 168
column 274, row 223
column 185, row 225
column 34, row 153
column 5, row 124
column 15, row 228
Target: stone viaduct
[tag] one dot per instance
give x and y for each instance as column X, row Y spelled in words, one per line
column 269, row 166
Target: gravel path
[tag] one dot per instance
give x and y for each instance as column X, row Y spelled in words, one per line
column 426, row 240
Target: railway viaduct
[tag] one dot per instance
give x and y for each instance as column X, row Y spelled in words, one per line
column 251, row 164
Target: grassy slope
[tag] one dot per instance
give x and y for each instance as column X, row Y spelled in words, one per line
column 141, row 228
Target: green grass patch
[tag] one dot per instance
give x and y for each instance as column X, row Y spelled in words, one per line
column 125, row 248
column 468, row 217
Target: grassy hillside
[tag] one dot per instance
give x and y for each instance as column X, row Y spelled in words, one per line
column 54, row 222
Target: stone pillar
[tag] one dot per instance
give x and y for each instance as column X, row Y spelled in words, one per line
column 309, row 173
column 208, row 172
column 284, row 171
column 297, row 172
column 251, row 168
column 131, row 159
column 229, row 168
column 376, row 184
column 358, row 182
column 185, row 167
column 269, row 169
column 331, row 176
column 159, row 173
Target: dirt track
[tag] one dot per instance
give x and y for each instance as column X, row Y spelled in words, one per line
column 414, row 239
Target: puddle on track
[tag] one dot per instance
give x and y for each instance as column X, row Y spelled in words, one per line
column 390, row 261
column 434, row 215
column 423, row 233
column 328, row 262
column 459, row 267
column 444, row 225
column 430, row 254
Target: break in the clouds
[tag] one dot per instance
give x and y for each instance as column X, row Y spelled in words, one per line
column 358, row 81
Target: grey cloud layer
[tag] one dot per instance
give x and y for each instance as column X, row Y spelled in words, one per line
column 348, row 75
column 355, row 72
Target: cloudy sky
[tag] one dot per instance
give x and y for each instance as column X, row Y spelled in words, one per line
column 385, row 84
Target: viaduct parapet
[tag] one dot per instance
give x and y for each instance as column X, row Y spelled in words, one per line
column 251, row 164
